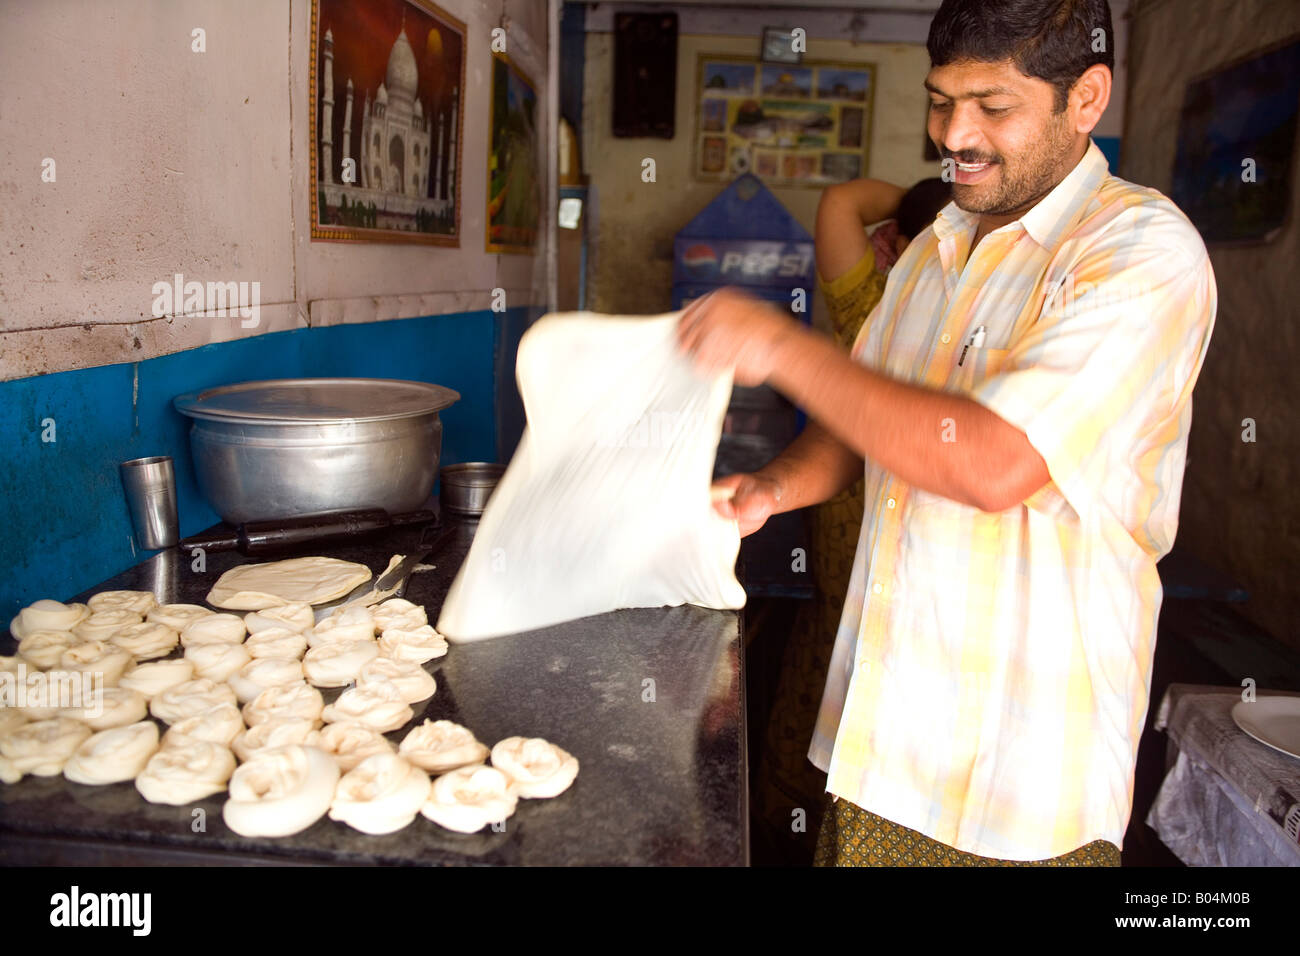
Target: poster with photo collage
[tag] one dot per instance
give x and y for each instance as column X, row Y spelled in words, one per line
column 791, row 125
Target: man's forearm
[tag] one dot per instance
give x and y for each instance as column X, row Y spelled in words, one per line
column 937, row 441
column 815, row 468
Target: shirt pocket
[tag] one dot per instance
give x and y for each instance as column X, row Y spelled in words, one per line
column 978, row 367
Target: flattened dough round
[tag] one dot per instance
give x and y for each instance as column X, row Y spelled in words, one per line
column 313, row 580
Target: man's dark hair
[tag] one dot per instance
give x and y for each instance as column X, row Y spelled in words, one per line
column 921, row 204
column 1052, row 40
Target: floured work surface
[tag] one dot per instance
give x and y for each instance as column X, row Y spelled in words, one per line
column 606, row 503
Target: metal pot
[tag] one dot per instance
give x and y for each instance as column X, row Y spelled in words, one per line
column 467, row 487
column 287, row 447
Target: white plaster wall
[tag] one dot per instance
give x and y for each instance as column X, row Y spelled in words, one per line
column 172, row 161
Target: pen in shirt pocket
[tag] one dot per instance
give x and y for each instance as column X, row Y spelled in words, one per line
column 975, row 341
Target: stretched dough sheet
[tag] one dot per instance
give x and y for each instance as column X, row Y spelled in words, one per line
column 314, row 580
column 606, row 503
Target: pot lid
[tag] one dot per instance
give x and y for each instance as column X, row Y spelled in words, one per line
column 316, row 400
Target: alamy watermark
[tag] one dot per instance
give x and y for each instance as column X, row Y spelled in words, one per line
column 209, row 300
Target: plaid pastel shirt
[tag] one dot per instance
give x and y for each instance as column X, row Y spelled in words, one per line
column 991, row 672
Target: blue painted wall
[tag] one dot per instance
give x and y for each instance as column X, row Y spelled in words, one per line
column 64, row 525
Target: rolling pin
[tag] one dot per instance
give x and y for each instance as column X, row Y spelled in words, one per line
column 264, row 537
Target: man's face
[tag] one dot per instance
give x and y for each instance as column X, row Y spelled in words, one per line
column 998, row 125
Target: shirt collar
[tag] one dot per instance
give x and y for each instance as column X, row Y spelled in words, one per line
column 1053, row 214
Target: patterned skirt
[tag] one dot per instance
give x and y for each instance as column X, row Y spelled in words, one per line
column 851, row 836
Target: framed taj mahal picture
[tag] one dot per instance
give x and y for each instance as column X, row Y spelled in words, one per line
column 388, row 98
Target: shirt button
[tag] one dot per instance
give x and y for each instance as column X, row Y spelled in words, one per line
column 878, row 588
column 890, row 502
column 945, row 338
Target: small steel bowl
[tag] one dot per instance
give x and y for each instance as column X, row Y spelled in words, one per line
column 467, row 487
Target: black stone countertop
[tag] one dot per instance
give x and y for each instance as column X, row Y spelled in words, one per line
column 662, row 781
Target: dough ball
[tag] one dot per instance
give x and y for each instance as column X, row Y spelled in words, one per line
column 177, row 616
column 418, row 645
column 382, row 794
column 152, row 679
column 190, row 698
column 147, row 640
column 441, row 745
column 351, row 624
column 42, row 649
column 101, row 625
column 275, row 732
column 285, row 700
column 218, row 662
column 106, row 662
column 349, row 743
column 256, row 676
column 47, row 615
column 11, row 719
column 378, row 705
column 111, row 707
column 9, row 663
column 276, row 642
column 470, row 798
column 538, row 767
column 295, row 617
column 185, row 771
column 138, row 603
column 415, row 683
column 214, row 629
column 217, row 725
column 112, row 756
column 280, row 791
column 398, row 613
column 40, row 748
column 338, row 662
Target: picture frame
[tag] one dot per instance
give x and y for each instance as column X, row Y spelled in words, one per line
column 387, row 98
column 514, row 193
column 791, row 125
column 777, row 46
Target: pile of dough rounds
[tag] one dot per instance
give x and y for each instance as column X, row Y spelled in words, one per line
column 192, row 697
column 441, row 745
column 185, row 770
column 146, row 640
column 280, row 791
column 470, row 798
column 40, row 748
column 415, row 683
column 538, row 768
column 349, row 743
column 338, row 663
column 378, row 705
column 382, row 794
column 152, row 679
column 112, row 756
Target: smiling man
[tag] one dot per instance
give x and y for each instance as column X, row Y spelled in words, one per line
column 1019, row 402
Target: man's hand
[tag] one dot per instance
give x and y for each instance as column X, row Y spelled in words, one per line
column 729, row 329
column 750, row 499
